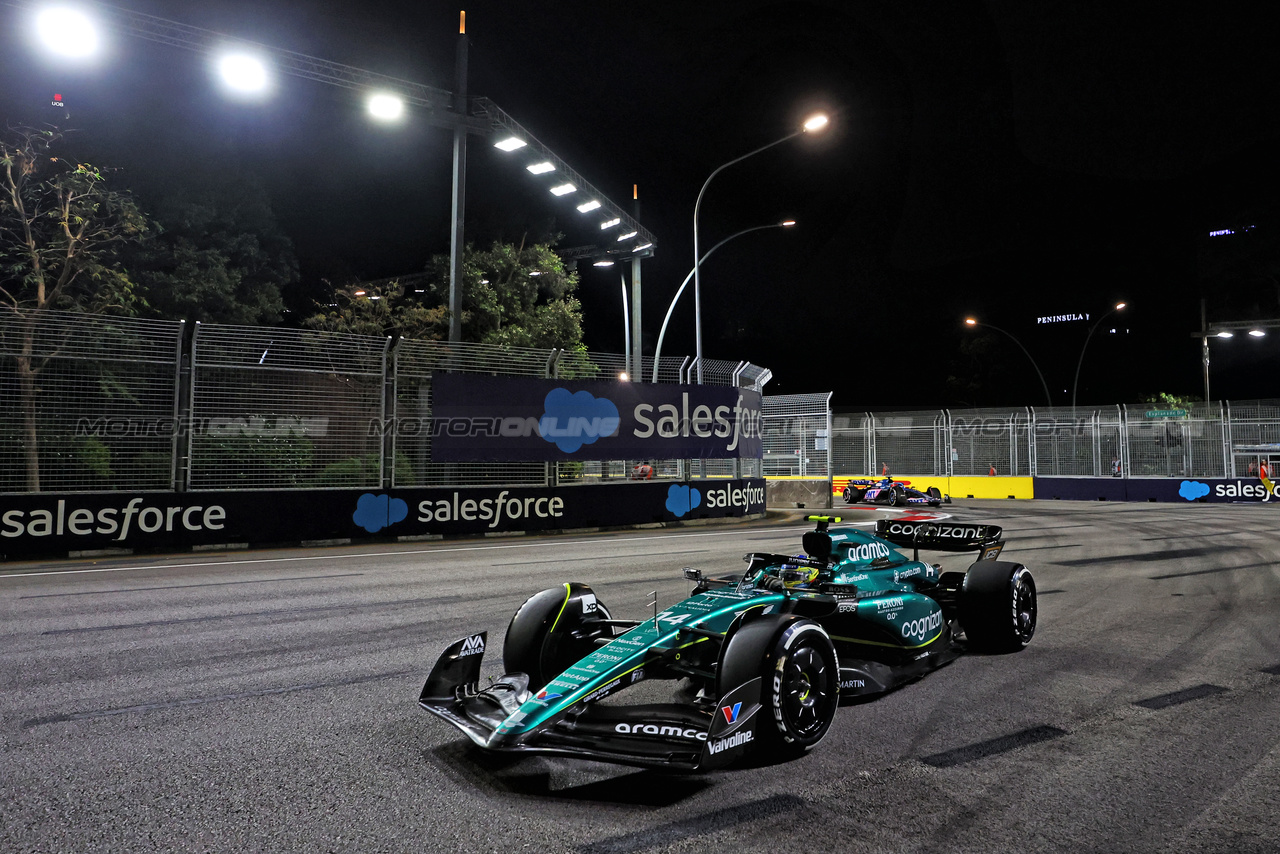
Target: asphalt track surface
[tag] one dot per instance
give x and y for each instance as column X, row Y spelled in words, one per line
column 265, row 701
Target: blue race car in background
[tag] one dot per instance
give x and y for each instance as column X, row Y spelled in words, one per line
column 893, row 493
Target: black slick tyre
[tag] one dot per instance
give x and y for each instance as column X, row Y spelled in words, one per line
column 935, row 495
column 800, row 681
column 552, row 630
column 998, row 606
column 852, row 495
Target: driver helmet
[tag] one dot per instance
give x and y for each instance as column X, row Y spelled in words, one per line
column 808, row 574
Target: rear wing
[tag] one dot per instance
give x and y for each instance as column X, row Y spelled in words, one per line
column 943, row 536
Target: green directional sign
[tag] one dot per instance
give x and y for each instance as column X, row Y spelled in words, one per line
column 1166, row 413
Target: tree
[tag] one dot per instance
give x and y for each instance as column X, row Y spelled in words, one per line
column 61, row 234
column 514, row 296
column 217, row 254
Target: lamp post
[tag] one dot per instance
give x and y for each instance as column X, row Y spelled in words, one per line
column 972, row 322
column 1255, row 328
column 813, row 123
column 1076, row 381
column 657, row 353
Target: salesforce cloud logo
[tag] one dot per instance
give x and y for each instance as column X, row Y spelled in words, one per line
column 1193, row 489
column 375, row 512
column 571, row 420
column 682, row 499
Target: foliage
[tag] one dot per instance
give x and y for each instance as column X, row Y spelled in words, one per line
column 1164, row 400
column 513, row 296
column 362, row 471
column 374, row 310
column 62, row 230
column 217, row 254
column 239, row 458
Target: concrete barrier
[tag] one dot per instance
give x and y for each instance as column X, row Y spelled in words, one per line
column 808, row 493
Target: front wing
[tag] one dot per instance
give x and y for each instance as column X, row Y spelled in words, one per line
column 671, row 736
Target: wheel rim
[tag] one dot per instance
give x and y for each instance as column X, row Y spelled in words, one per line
column 808, row 693
column 1024, row 608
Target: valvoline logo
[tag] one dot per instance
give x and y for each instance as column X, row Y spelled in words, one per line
column 731, row 712
column 573, row 419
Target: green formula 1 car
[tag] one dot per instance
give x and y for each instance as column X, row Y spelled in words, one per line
column 761, row 659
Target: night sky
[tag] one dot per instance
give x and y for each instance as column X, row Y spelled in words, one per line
column 1008, row 160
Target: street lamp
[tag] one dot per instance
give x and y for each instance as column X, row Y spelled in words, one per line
column 812, row 124
column 658, row 350
column 1256, row 329
column 1076, row 381
column 972, row 322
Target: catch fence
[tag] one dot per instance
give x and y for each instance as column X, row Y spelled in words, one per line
column 1213, row 440
column 96, row 403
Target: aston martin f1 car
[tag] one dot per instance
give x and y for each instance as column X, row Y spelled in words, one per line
column 895, row 493
column 761, row 658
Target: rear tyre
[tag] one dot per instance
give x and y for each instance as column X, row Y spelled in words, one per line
column 552, row 630
column 998, row 606
column 852, row 495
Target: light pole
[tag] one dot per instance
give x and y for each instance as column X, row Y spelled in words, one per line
column 972, row 322
column 1255, row 329
column 1076, row 381
column 658, row 351
column 813, row 123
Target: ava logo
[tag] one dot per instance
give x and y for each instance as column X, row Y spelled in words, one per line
column 682, row 499
column 375, row 512
column 731, row 712
column 1193, row 489
column 571, row 420
column 473, row 645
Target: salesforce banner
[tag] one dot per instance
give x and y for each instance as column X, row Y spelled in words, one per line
column 1241, row 490
column 33, row 525
column 521, row 419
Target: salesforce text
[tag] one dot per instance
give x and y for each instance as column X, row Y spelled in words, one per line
column 486, row 509
column 82, row 522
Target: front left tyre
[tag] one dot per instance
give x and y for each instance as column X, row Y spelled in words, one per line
column 800, row 680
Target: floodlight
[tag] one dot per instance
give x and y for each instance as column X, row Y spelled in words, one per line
column 641, row 247
column 587, row 207
column 816, row 122
column 787, row 223
column 1257, row 333
column 67, row 32
column 1225, row 334
column 971, row 321
column 243, row 73
column 603, row 262
column 627, row 236
column 541, row 168
column 563, row 189
column 511, row 143
column 610, row 223
column 385, row 107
